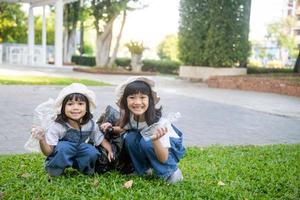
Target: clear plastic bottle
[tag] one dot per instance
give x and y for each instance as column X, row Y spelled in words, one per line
column 164, row 122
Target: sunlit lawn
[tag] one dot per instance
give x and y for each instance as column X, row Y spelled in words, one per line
column 46, row 80
column 235, row 172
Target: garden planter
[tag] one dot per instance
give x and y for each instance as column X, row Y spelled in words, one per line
column 136, row 62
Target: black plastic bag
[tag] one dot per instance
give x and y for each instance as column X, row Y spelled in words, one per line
column 121, row 161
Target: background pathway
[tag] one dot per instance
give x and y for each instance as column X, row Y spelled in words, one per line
column 209, row 116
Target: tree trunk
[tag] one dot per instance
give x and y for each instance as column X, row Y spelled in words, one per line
column 81, row 48
column 71, row 45
column 114, row 55
column 297, row 64
column 103, row 44
column 65, row 45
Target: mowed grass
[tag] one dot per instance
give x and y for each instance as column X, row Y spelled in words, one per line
column 235, row 172
column 46, row 80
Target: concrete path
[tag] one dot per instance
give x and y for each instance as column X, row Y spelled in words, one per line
column 209, row 116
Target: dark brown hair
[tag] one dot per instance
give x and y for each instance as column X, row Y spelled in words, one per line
column 152, row 114
column 62, row 118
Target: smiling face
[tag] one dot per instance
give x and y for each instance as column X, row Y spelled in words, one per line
column 75, row 109
column 138, row 104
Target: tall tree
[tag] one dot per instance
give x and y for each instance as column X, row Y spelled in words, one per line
column 168, row 48
column 214, row 32
column 12, row 23
column 280, row 33
column 105, row 12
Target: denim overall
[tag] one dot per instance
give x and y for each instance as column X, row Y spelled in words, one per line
column 72, row 151
column 143, row 156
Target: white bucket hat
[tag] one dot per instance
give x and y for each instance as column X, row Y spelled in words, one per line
column 119, row 91
column 75, row 88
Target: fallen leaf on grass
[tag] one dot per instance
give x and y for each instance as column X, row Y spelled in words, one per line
column 25, row 175
column 128, row 184
column 221, row 183
column 95, row 183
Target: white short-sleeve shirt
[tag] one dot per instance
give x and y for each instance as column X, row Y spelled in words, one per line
column 57, row 131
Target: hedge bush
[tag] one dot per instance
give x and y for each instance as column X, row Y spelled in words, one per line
column 123, row 62
column 263, row 70
column 84, row 60
column 161, row 66
column 214, row 32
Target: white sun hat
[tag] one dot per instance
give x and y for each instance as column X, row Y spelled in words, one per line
column 119, row 91
column 75, row 88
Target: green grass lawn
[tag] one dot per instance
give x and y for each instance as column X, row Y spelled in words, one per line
column 248, row 172
column 45, row 80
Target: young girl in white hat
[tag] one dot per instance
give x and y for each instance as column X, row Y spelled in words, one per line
column 161, row 152
column 65, row 141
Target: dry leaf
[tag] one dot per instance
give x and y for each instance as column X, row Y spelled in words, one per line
column 128, row 184
column 25, row 175
column 95, row 183
column 221, row 183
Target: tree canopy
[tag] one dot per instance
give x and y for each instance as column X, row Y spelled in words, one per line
column 214, row 32
column 12, row 23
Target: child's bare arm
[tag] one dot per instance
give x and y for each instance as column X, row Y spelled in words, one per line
column 106, row 145
column 161, row 152
column 39, row 134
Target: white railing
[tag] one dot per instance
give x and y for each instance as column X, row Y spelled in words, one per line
column 20, row 54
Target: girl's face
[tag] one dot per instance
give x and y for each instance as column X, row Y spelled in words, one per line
column 75, row 110
column 138, row 104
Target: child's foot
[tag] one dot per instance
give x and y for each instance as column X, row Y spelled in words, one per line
column 175, row 177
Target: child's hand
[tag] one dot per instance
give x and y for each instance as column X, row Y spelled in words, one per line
column 110, row 156
column 38, row 132
column 159, row 132
column 105, row 126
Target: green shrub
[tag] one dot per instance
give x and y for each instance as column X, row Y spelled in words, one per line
column 214, row 33
column 124, row 62
column 84, row 60
column 263, row 70
column 161, row 66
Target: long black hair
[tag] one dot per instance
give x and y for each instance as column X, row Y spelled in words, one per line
column 152, row 114
column 62, row 118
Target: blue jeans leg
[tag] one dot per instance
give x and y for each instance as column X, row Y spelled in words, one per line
column 163, row 170
column 86, row 158
column 138, row 158
column 61, row 158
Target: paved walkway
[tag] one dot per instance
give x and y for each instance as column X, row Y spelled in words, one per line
column 209, row 116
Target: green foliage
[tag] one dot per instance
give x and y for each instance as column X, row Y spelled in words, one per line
column 12, row 23
column 248, row 172
column 161, row 66
column 50, row 29
column 88, row 49
column 279, row 32
column 135, row 47
column 44, row 80
column 214, row 32
column 168, row 48
column 263, row 70
column 124, row 62
column 84, row 60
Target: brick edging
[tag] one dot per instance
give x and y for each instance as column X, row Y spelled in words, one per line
column 259, row 84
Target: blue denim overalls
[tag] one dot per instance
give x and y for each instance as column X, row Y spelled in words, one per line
column 72, row 151
column 143, row 156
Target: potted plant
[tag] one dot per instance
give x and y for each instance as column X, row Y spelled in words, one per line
column 136, row 49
